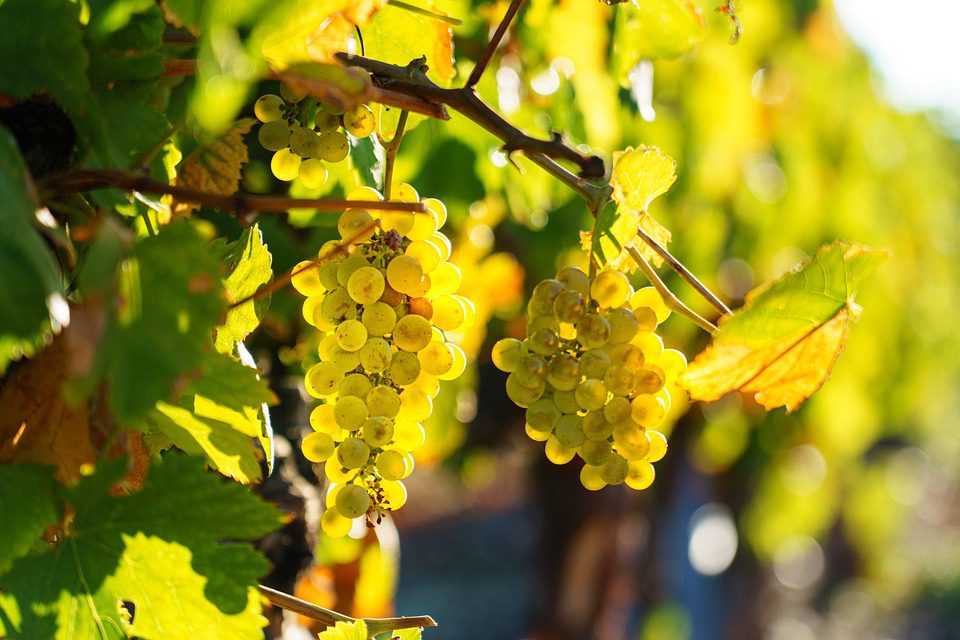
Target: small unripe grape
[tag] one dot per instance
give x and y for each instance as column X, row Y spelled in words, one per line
column 353, row 453
column 352, row 501
column 274, row 135
column 268, row 108
column 360, row 122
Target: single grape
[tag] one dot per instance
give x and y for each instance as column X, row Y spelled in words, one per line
column 610, row 289
column 543, row 415
column 405, row 192
column 377, row 431
column 379, row 318
column 619, row 380
column 631, row 440
column 412, row 333
column 352, row 501
column 353, row 453
column 506, row 354
column 449, row 312
column 575, row 279
column 564, row 372
column 404, row 368
column 658, row 446
column 395, row 494
column 424, row 225
column 305, row 278
column 443, row 243
column 426, row 254
column 345, row 361
column 569, row 306
column 350, row 412
column 332, row 146
column 557, row 453
column 383, row 401
column 351, row 335
column 650, row 297
column 623, row 325
column 304, row 142
column 285, row 164
column 672, row 363
column 349, row 266
column 591, row 394
column 415, row 405
column 355, row 384
column 274, row 135
column 317, row 447
column 325, row 120
column 313, row 173
column 596, row 426
column 565, row 400
column 404, row 274
column 328, row 273
column 616, row 410
column 650, row 344
column 445, row 279
column 650, row 379
column 522, row 396
column 322, row 379
column 531, row 371
column 322, row 420
column 375, row 355
column 334, row 524
column 594, row 363
column 336, row 472
column 360, row 122
column 392, row 465
column 268, row 108
column 544, row 342
column 647, row 410
column 640, row 474
column 646, row 318
column 409, row 436
column 569, row 431
column 459, row 363
column 537, row 436
column 593, row 331
column 309, row 312
column 594, row 451
column 365, row 285
column 591, row 477
column 436, row 358
column 627, row 355
column 614, row 470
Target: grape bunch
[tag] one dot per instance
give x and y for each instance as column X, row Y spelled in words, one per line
column 382, row 311
column 593, row 375
column 303, row 134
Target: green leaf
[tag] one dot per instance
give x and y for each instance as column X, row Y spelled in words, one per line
column 218, row 417
column 399, row 36
column 170, row 300
column 252, row 269
column 366, row 155
column 614, row 231
column 654, row 29
column 782, row 344
column 356, row 630
column 640, row 175
column 31, row 280
column 28, row 504
column 159, row 549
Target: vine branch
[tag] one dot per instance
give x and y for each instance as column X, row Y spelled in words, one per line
column 391, row 148
column 669, row 298
column 329, row 617
column 494, row 43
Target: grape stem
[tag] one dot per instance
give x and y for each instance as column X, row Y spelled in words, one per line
column 87, row 180
column 375, row 626
column 669, row 298
column 391, row 149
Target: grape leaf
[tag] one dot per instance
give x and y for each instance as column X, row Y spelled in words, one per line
column 356, row 630
column 28, row 504
column 214, row 166
column 218, row 416
column 252, row 269
column 31, row 280
column 640, row 175
column 654, row 29
column 158, row 549
column 782, row 344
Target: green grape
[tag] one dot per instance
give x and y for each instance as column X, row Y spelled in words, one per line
column 610, row 289
column 594, row 363
column 313, row 173
column 349, row 266
column 268, row 108
column 437, row 207
column 557, row 453
column 591, row 477
column 647, row 410
column 383, row 401
column 285, row 164
column 345, row 361
column 422, row 287
column 544, row 342
column 415, row 405
column 399, row 221
column 424, row 225
column 325, row 348
column 569, row 431
column 436, row 358
column 445, row 279
column 594, row 451
column 443, row 243
column 591, row 394
column 355, row 384
column 543, row 415
column 350, row 412
column 356, row 225
column 377, row 431
column 325, row 120
column 596, row 426
column 623, row 325
column 274, row 136
column 449, row 312
column 404, row 368
column 426, row 254
column 532, row 371
column 616, row 410
column 537, row 436
column 543, row 322
column 404, row 274
column 351, row 335
column 409, row 436
column 305, row 278
column 650, row 297
column 650, row 344
column 322, row 420
column 310, row 307
column 365, row 285
column 564, row 372
column 336, row 472
column 575, row 279
column 672, row 363
column 375, row 355
column 565, row 400
column 631, row 440
column 322, row 379
column 328, row 273
column 317, row 447
column 546, row 292
column 353, row 453
column 392, row 465
column 522, row 396
column 646, row 318
column 352, row 501
column 593, row 331
column 614, row 470
column 332, row 146
column 459, row 363
column 619, row 380
column 658, row 446
column 412, row 333
column 379, row 318
column 506, row 354
column 334, row 524
column 428, row 384
column 360, row 122
column 291, row 94
column 335, row 305
column 569, row 306
column 627, row 355
column 304, row 142
column 395, row 493
column 640, row 474
column 650, row 379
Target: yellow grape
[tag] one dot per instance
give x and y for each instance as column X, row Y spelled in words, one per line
column 268, row 108
column 650, row 297
column 313, row 173
column 317, row 446
column 305, row 278
column 285, row 165
column 360, row 122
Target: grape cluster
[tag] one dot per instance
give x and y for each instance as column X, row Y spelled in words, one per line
column 303, row 134
column 593, row 375
column 382, row 312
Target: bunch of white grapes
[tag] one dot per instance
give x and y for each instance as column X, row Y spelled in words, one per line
column 304, row 134
column 383, row 311
column 593, row 375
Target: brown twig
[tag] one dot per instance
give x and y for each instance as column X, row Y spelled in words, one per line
column 391, row 148
column 240, row 202
column 178, row 67
column 494, row 43
column 375, row 626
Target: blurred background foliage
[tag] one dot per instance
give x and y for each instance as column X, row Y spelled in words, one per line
column 837, row 521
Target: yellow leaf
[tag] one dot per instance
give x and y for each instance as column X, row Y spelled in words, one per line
column 214, row 167
column 640, row 175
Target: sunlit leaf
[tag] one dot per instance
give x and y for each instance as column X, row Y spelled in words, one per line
column 398, row 36
column 252, row 270
column 329, row 82
column 640, row 175
column 28, row 504
column 161, row 549
column 782, row 344
column 356, row 630
column 214, row 166
column 648, row 30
